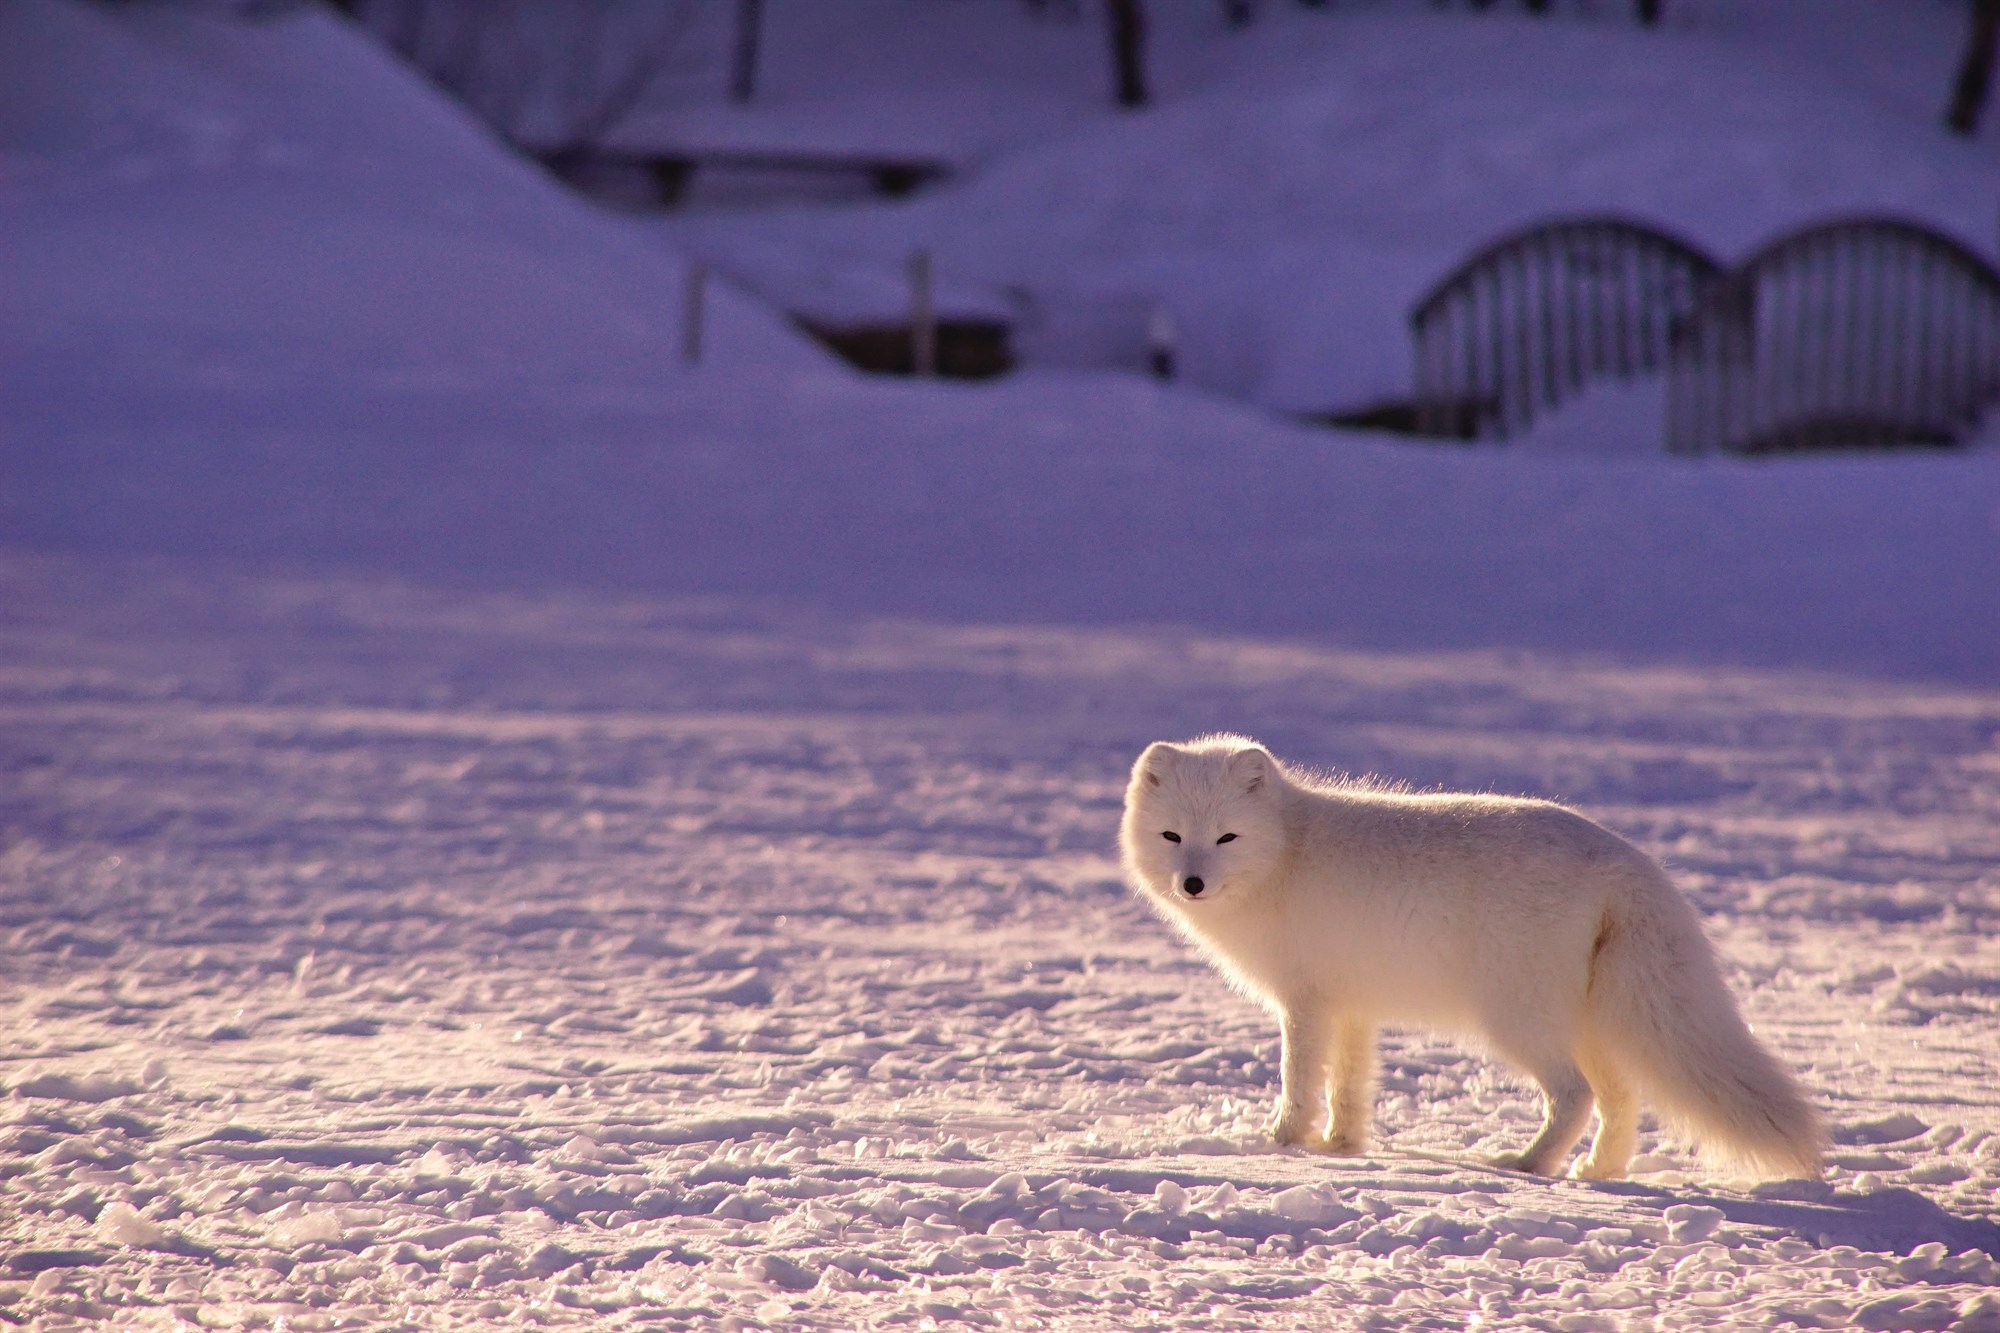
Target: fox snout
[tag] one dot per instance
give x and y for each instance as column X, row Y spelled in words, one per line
column 1192, row 885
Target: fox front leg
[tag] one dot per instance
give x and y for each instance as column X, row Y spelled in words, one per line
column 1303, row 1072
column 1353, row 1088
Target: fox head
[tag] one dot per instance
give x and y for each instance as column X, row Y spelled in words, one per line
column 1204, row 821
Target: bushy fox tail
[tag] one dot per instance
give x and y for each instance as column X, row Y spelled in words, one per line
column 1662, row 1006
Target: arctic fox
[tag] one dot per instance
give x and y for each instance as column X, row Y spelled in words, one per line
column 1341, row 906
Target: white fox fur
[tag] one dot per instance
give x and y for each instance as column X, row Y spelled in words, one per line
column 1342, row 906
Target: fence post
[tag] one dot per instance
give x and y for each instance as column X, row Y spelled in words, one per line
column 694, row 311
column 1128, row 51
column 923, row 315
column 743, row 60
column 1162, row 344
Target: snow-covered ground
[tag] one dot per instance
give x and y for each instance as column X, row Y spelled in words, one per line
column 390, row 958
column 500, row 827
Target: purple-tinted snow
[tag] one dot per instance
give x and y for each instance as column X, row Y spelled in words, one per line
column 501, row 828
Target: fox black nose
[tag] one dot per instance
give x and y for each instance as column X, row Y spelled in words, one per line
column 1193, row 885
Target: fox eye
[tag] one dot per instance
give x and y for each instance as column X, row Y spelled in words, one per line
column 1227, row 837
column 1171, row 837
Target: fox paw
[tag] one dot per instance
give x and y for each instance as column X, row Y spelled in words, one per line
column 1295, row 1136
column 1520, row 1161
column 1345, row 1143
column 1334, row 1145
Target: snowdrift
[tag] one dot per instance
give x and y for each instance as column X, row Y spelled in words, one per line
column 285, row 307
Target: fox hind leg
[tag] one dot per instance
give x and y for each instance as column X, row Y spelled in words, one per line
column 1566, row 1100
column 1617, row 1122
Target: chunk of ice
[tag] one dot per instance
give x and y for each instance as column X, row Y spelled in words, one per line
column 1315, row 1205
column 121, row 1224
column 306, row 1229
column 1690, row 1222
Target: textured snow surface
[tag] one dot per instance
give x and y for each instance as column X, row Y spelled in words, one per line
column 383, row 956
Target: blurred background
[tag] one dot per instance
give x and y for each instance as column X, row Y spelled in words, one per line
column 1658, row 328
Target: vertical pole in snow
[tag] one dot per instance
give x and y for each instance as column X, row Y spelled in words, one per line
column 1162, row 344
column 694, row 300
column 749, row 29
column 1975, row 70
column 923, row 315
column 1128, row 51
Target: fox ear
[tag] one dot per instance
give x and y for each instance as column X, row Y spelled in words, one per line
column 1252, row 767
column 1152, row 762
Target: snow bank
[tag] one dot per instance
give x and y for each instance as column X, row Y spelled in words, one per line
column 1070, row 498
column 278, row 207
column 1301, row 184
column 252, row 331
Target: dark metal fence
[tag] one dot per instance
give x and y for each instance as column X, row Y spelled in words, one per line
column 1860, row 331
column 1526, row 321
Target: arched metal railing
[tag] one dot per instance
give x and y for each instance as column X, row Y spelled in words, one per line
column 1526, row 321
column 1859, row 331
